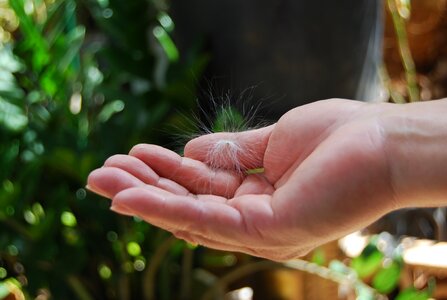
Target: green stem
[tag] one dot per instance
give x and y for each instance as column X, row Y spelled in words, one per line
column 79, row 289
column 404, row 51
column 254, row 171
column 185, row 289
column 154, row 263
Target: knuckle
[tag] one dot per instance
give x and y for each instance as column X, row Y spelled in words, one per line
column 114, row 159
column 137, row 148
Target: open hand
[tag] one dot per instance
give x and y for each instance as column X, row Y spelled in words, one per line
column 325, row 174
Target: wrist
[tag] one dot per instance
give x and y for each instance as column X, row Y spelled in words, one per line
column 416, row 149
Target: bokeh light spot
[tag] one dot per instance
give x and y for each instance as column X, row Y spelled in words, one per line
column 81, row 194
column 103, row 3
column 38, row 148
column 127, row 267
column 8, row 186
column 71, row 235
column 133, row 249
column 12, row 250
column 19, row 268
column 104, row 271
column 38, row 210
column 68, row 219
column 112, row 236
column 107, row 13
column 139, row 265
column 30, row 217
column 229, row 260
column 10, row 211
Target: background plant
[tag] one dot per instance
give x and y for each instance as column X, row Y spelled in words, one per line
column 80, row 81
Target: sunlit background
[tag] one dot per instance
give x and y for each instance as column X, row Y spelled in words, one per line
column 81, row 80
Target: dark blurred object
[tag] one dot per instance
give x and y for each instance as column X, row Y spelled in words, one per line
column 295, row 52
column 426, row 223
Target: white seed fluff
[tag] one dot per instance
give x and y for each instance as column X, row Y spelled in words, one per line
column 224, row 151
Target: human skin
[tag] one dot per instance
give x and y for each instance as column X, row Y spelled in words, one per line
column 330, row 168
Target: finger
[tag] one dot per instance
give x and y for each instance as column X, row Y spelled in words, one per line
column 194, row 175
column 240, row 150
column 165, row 193
column 144, row 173
column 255, row 185
column 133, row 166
column 212, row 219
column 109, row 181
column 122, row 208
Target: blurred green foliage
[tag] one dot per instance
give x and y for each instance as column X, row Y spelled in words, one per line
column 80, row 81
column 381, row 265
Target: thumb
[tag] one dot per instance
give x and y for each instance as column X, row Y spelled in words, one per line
column 238, row 151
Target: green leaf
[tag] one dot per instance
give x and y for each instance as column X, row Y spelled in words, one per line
column 56, row 21
column 166, row 43
column 110, row 109
column 369, row 261
column 318, row 257
column 387, row 279
column 9, row 65
column 74, row 41
column 12, row 117
column 8, row 62
column 9, row 88
column 32, row 36
column 48, row 82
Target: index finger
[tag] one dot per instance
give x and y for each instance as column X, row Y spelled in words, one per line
column 238, row 151
column 194, row 175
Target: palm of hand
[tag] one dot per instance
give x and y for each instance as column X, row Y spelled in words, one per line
column 319, row 161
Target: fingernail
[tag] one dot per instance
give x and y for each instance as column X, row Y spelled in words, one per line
column 91, row 189
column 121, row 209
column 97, row 191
